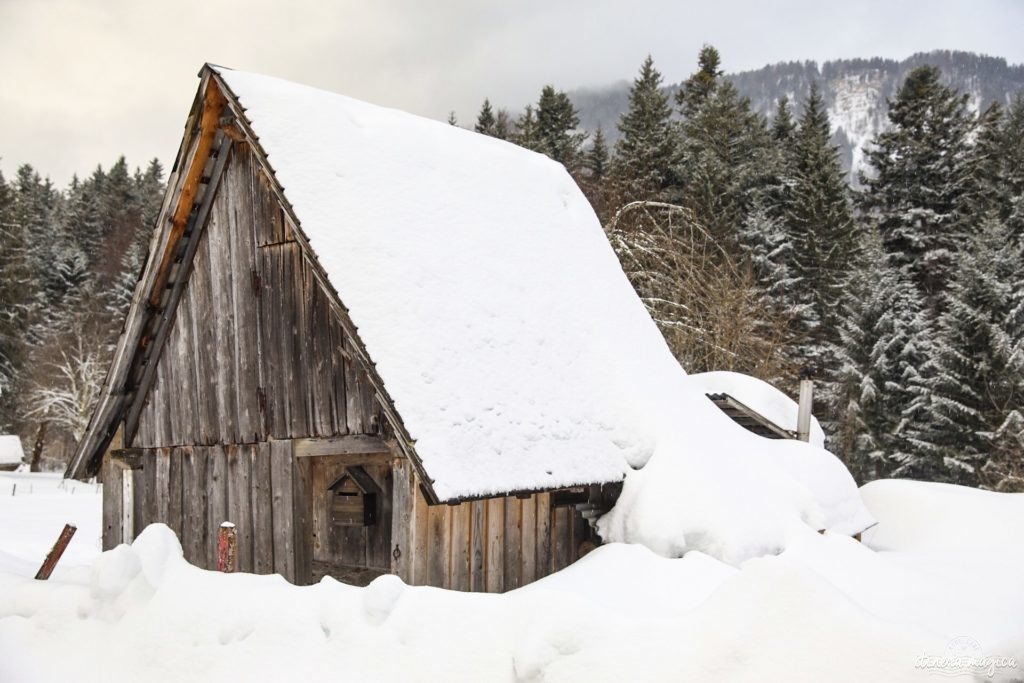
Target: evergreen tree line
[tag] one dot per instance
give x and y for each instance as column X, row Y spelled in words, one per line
column 905, row 297
column 68, row 265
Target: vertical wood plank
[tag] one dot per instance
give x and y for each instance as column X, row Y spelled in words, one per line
column 283, row 508
column 528, row 556
column 161, row 484
column 513, row 543
column 543, row 534
column 378, row 552
column 240, row 241
column 353, row 398
column 195, row 489
column 402, row 532
column 239, row 463
column 175, row 465
column 339, row 416
column 420, row 518
column 262, row 509
column 112, row 501
column 185, row 428
column 203, row 344
column 149, row 488
column 294, row 351
column 217, row 503
column 302, row 519
column 222, row 317
column 561, row 534
column 461, row 521
column 478, row 545
column 270, row 363
column 438, row 547
column 494, row 570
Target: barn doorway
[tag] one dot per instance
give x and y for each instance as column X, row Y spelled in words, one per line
column 352, row 502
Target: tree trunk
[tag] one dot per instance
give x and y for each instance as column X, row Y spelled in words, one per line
column 37, row 448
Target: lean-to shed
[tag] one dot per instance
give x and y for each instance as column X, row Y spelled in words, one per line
column 376, row 343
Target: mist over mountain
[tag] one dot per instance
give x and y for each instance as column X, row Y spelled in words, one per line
column 855, row 92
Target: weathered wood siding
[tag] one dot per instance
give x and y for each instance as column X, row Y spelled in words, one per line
column 490, row 545
column 255, row 350
column 261, row 488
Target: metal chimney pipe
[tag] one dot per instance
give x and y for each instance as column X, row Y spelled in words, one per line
column 803, row 417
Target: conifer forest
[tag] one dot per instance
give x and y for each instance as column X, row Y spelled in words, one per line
column 899, row 285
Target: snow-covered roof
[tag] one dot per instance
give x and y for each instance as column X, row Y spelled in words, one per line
column 766, row 399
column 483, row 287
column 10, row 449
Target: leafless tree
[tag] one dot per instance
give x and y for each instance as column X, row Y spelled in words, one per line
column 708, row 305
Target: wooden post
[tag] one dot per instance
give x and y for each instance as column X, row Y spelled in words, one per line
column 55, row 552
column 226, row 548
column 803, row 420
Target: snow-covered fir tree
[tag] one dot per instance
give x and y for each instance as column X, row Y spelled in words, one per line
column 818, row 218
column 917, row 185
column 557, row 128
column 646, row 148
column 974, row 383
column 486, row 122
column 886, row 341
column 725, row 149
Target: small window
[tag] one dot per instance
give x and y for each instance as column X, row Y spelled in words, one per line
column 354, row 498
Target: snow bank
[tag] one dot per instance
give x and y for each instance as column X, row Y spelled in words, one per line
column 614, row 616
column 757, row 394
column 715, row 487
column 11, row 452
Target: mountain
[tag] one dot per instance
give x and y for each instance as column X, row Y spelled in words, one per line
column 855, row 91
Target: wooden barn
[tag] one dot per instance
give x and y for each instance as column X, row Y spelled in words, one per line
column 375, row 343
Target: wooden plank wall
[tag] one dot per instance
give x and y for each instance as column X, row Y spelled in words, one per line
column 255, row 351
column 261, row 488
column 490, row 545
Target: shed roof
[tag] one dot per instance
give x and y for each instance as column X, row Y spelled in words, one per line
column 482, row 285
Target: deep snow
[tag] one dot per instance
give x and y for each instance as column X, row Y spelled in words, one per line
column 828, row 608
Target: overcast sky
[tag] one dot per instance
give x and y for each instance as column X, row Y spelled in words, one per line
column 83, row 81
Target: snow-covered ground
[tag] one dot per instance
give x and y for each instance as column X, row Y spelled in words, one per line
column 34, row 509
column 935, row 586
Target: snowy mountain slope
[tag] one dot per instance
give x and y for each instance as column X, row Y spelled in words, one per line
column 855, row 91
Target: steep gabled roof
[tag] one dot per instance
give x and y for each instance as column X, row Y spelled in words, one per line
column 502, row 331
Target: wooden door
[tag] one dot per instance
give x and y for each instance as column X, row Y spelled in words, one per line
column 352, row 508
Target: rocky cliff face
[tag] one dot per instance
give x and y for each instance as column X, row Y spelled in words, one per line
column 855, row 90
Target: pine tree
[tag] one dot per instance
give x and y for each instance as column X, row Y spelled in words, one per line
column 769, row 250
column 916, row 189
column 819, row 221
column 485, row 121
column 503, row 125
column 557, row 121
column 452, row 119
column 699, row 87
column 725, row 150
column 987, row 192
column 974, row 383
column 886, row 342
column 646, row 148
column 16, row 301
column 596, row 159
column 527, row 132
column 783, row 127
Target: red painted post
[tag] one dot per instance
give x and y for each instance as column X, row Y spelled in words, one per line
column 226, row 548
column 56, row 551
